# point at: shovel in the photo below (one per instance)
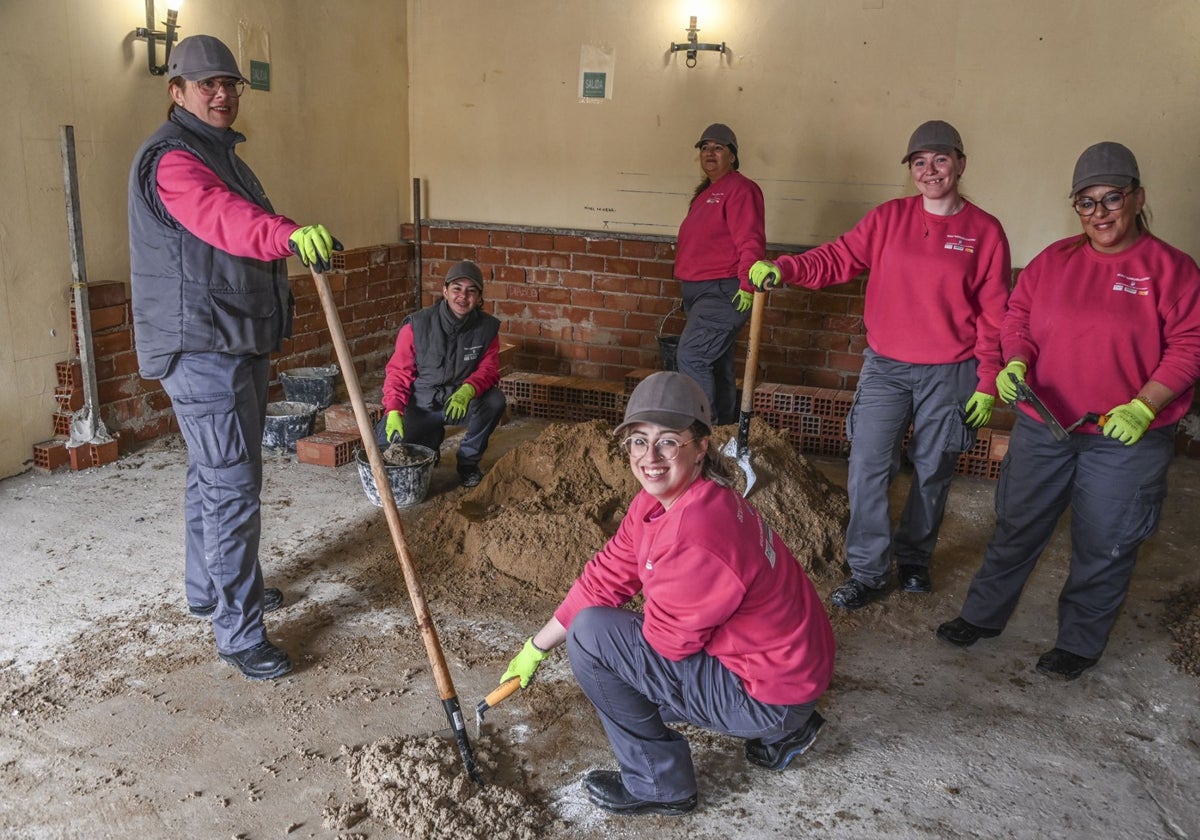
(739, 448)
(433, 648)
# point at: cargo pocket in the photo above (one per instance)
(212, 429)
(1143, 512)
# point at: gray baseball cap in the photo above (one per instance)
(1107, 163)
(669, 399)
(199, 57)
(934, 136)
(719, 133)
(465, 270)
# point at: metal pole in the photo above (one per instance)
(86, 425)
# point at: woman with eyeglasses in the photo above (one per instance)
(211, 301)
(1104, 328)
(732, 636)
(723, 234)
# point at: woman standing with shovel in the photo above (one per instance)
(733, 636)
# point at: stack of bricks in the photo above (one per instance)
(336, 444)
(564, 398)
(813, 418)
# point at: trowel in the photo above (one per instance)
(505, 690)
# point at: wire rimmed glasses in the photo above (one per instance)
(667, 447)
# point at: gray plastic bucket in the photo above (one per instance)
(409, 482)
(668, 345)
(310, 385)
(286, 423)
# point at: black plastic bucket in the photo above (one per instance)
(310, 385)
(409, 482)
(286, 423)
(668, 345)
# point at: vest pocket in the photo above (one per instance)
(256, 304)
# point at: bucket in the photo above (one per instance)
(668, 345)
(286, 423)
(310, 385)
(409, 482)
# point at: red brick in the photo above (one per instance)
(68, 399)
(327, 449)
(69, 374)
(81, 456)
(104, 453)
(106, 293)
(49, 455)
(607, 247)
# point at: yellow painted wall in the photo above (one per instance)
(328, 141)
(823, 95)
(479, 98)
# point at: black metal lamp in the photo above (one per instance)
(152, 35)
(693, 45)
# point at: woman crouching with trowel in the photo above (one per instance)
(733, 636)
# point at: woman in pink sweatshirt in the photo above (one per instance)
(732, 636)
(1104, 327)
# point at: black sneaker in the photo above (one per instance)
(606, 790)
(272, 600)
(854, 594)
(915, 578)
(962, 633)
(469, 476)
(264, 661)
(777, 756)
(1063, 664)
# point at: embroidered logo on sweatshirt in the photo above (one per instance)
(958, 242)
(1139, 286)
(715, 198)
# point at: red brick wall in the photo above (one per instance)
(590, 304)
(373, 290)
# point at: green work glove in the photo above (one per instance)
(764, 275)
(456, 406)
(525, 663)
(394, 428)
(979, 409)
(1127, 423)
(1005, 387)
(743, 300)
(314, 245)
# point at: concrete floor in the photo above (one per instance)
(118, 720)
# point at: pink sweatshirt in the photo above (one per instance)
(717, 579)
(1095, 327)
(204, 204)
(937, 286)
(723, 233)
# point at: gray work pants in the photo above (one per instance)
(890, 396)
(427, 427)
(637, 691)
(220, 402)
(1115, 494)
(705, 351)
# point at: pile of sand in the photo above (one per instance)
(419, 787)
(548, 505)
(1182, 620)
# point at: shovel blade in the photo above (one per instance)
(741, 454)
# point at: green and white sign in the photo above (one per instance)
(260, 75)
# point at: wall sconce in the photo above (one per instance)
(152, 35)
(693, 45)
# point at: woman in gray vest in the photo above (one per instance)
(446, 369)
(210, 302)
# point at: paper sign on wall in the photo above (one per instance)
(254, 47)
(596, 73)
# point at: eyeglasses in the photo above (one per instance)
(232, 87)
(714, 147)
(1112, 201)
(667, 448)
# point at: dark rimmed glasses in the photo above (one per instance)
(666, 447)
(1112, 201)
